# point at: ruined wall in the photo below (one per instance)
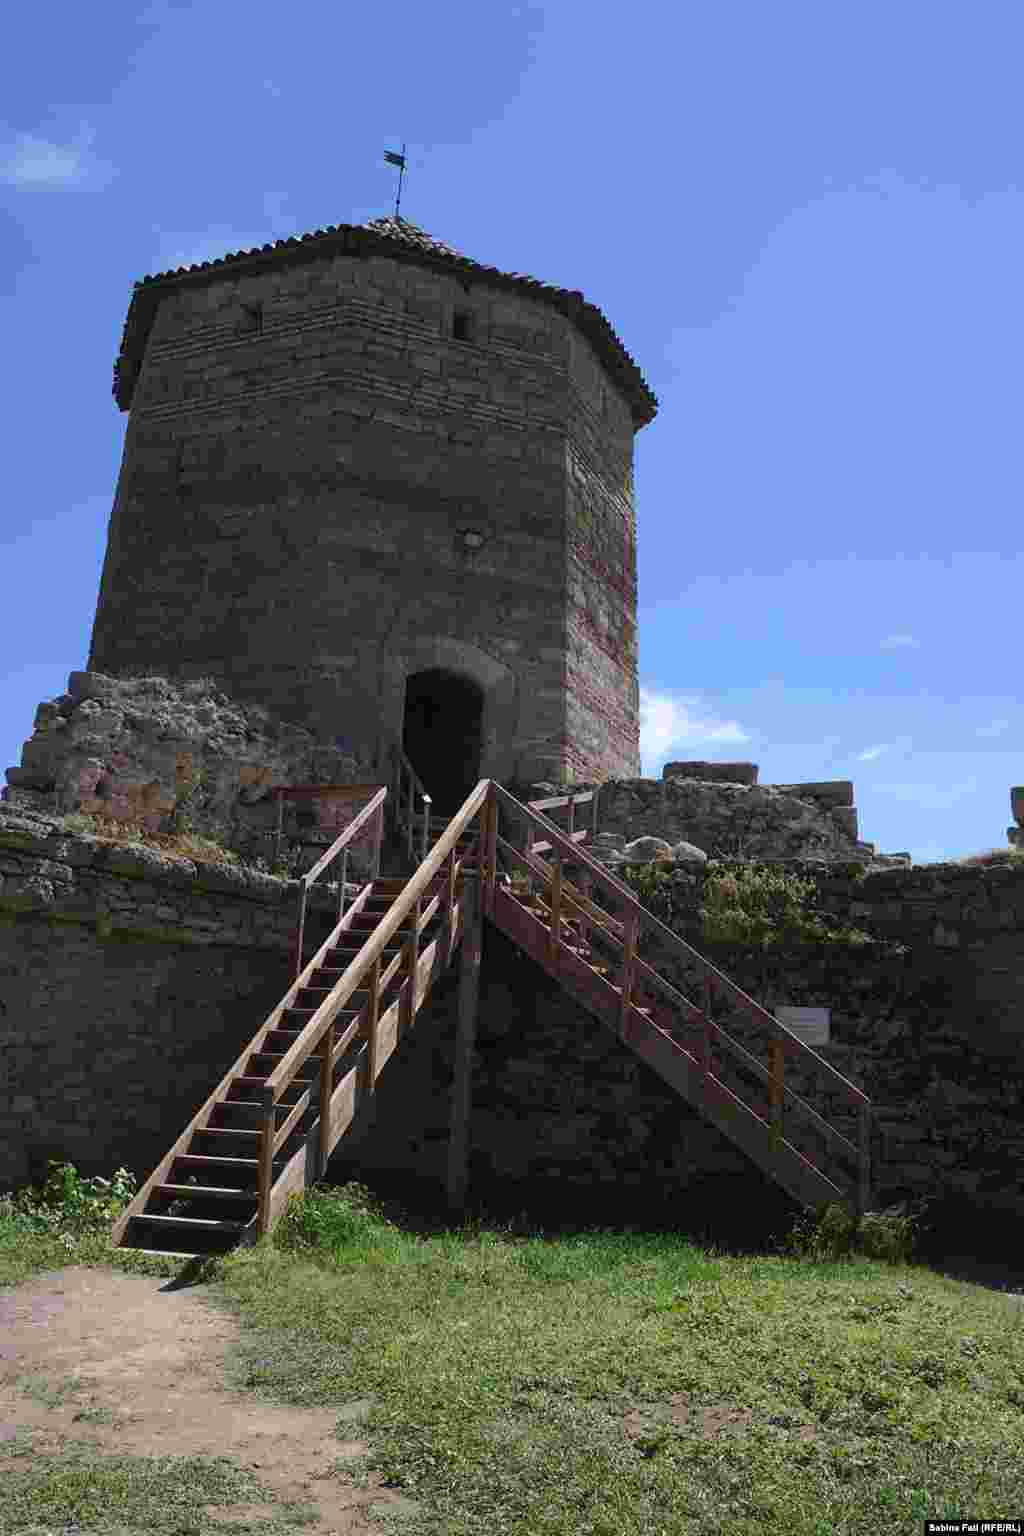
(145, 750)
(566, 1122)
(307, 445)
(926, 1018)
(717, 818)
(129, 982)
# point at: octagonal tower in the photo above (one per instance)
(388, 493)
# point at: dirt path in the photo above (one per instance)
(150, 1363)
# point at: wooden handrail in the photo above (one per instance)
(350, 832)
(576, 854)
(374, 809)
(559, 800)
(302, 1048)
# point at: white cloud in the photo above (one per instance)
(870, 753)
(669, 721)
(896, 642)
(929, 797)
(33, 161)
(994, 728)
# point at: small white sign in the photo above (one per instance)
(810, 1024)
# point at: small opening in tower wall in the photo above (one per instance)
(462, 325)
(252, 319)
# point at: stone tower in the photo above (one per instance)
(388, 493)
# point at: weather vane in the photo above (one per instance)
(398, 160)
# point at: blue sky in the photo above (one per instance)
(804, 221)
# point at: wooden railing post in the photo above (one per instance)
(427, 803)
(705, 1034)
(585, 886)
(378, 839)
(488, 873)
(572, 812)
(777, 1087)
(342, 883)
(556, 907)
(410, 962)
(372, 1027)
(326, 1085)
(300, 936)
(864, 1159)
(465, 1040)
(265, 1170)
(528, 853)
(449, 906)
(631, 927)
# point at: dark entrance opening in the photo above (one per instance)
(441, 734)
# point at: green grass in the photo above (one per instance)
(501, 1371)
(573, 1385)
(163, 1495)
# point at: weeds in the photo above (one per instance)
(605, 1382)
(129, 834)
(67, 1204)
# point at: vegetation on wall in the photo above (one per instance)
(741, 905)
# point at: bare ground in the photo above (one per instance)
(149, 1363)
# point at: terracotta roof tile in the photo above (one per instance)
(407, 242)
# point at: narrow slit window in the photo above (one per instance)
(462, 325)
(252, 319)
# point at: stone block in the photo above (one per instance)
(688, 854)
(717, 773)
(91, 685)
(845, 816)
(647, 850)
(830, 792)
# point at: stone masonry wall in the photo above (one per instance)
(136, 750)
(602, 737)
(926, 1018)
(307, 447)
(129, 982)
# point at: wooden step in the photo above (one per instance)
(191, 1221)
(219, 1130)
(210, 1160)
(253, 1084)
(204, 1192)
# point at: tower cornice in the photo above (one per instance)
(399, 240)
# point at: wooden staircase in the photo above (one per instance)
(268, 1129)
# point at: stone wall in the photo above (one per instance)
(566, 1122)
(926, 1018)
(129, 982)
(137, 750)
(603, 724)
(308, 447)
(718, 818)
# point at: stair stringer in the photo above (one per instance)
(201, 1118)
(673, 1063)
(351, 1093)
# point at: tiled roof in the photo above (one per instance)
(404, 241)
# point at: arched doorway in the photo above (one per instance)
(441, 734)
